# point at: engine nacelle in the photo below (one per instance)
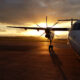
(25, 29)
(47, 35)
(37, 29)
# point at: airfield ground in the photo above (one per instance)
(28, 59)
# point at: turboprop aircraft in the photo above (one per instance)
(74, 33)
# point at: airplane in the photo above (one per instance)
(74, 34)
(74, 37)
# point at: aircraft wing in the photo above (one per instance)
(60, 29)
(36, 28)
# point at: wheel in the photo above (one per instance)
(51, 50)
(50, 46)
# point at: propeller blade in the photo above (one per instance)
(43, 34)
(46, 22)
(55, 24)
(38, 25)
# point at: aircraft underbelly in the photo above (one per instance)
(74, 38)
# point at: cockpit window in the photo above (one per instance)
(76, 26)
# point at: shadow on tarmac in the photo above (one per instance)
(16, 48)
(57, 62)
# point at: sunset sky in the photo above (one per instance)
(31, 12)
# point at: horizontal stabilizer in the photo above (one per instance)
(68, 20)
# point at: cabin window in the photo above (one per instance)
(76, 26)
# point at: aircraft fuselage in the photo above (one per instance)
(74, 37)
(48, 32)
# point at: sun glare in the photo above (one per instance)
(35, 32)
(39, 33)
(42, 25)
(32, 33)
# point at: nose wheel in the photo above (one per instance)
(51, 51)
(50, 48)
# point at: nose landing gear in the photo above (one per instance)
(51, 51)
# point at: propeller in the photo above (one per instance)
(47, 25)
(55, 24)
(46, 22)
(38, 25)
(42, 34)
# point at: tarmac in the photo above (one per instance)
(31, 60)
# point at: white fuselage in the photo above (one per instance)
(74, 39)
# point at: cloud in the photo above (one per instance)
(33, 11)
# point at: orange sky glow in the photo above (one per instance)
(21, 32)
(30, 12)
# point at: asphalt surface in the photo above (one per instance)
(22, 60)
